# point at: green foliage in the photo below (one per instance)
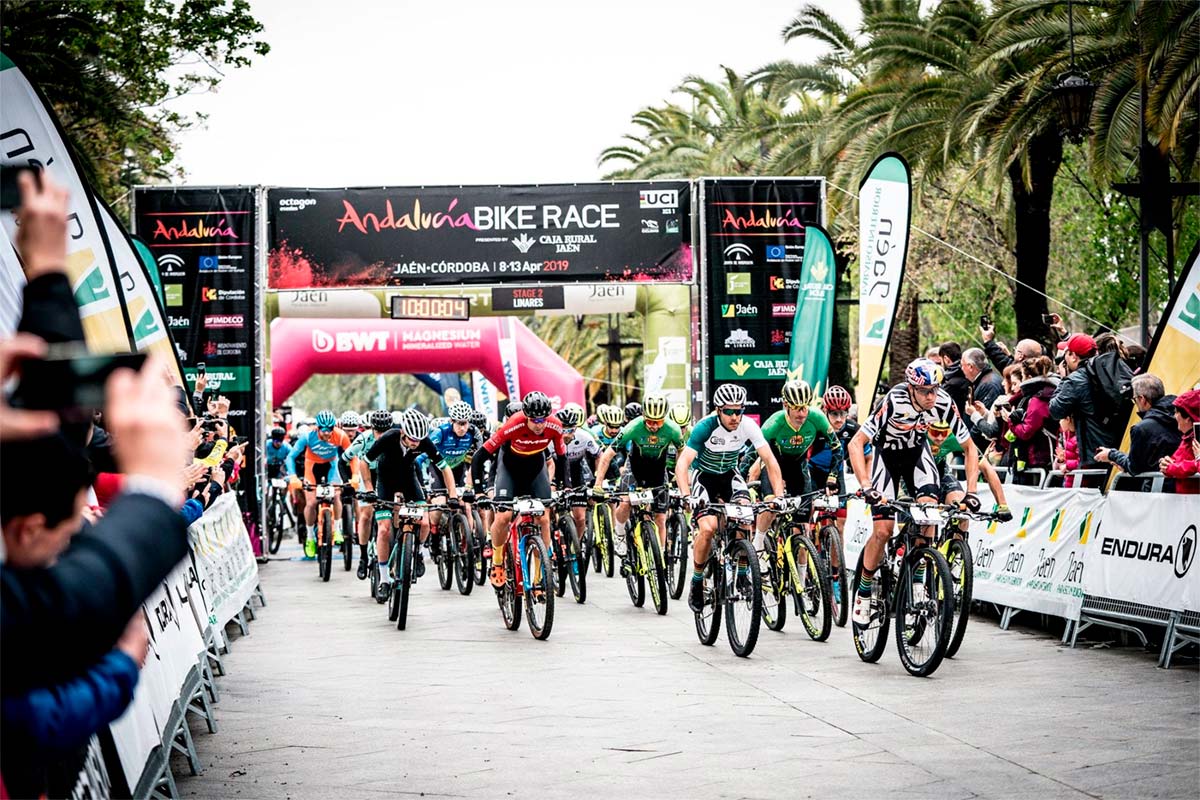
(111, 69)
(357, 393)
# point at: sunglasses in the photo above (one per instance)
(537, 420)
(323, 429)
(733, 412)
(795, 405)
(925, 391)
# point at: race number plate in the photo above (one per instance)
(643, 498)
(924, 514)
(410, 512)
(739, 513)
(278, 483)
(325, 492)
(530, 508)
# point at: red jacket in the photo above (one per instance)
(1184, 464)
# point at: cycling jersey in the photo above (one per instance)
(790, 442)
(582, 444)
(605, 440)
(397, 465)
(673, 451)
(454, 448)
(576, 468)
(821, 456)
(647, 444)
(358, 449)
(520, 457)
(899, 425)
(277, 458)
(515, 437)
(318, 452)
(718, 448)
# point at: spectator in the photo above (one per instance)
(1185, 463)
(1135, 357)
(934, 355)
(1033, 430)
(1155, 437)
(998, 354)
(1066, 455)
(955, 383)
(986, 383)
(1076, 398)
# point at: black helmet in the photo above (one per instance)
(381, 420)
(513, 408)
(536, 405)
(278, 434)
(632, 411)
(479, 420)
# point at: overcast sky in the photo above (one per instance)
(400, 92)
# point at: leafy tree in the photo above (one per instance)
(111, 69)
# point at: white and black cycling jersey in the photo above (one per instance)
(582, 444)
(899, 425)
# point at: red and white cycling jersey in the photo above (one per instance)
(520, 441)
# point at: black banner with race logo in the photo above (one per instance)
(751, 252)
(417, 236)
(204, 243)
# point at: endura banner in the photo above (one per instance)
(884, 201)
(416, 236)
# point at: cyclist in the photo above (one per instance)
(943, 445)
(632, 411)
(519, 448)
(608, 428)
(453, 439)
(277, 452)
(380, 423)
(824, 461)
(320, 446)
(713, 449)
(903, 457)
(396, 452)
(647, 437)
(576, 467)
(790, 432)
(512, 408)
(681, 415)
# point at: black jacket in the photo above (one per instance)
(1074, 399)
(1154, 437)
(987, 387)
(957, 386)
(57, 622)
(996, 355)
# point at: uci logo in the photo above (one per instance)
(1185, 552)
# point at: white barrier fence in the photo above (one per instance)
(186, 616)
(1065, 545)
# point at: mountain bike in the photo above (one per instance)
(452, 546)
(372, 558)
(566, 550)
(279, 514)
(348, 526)
(481, 548)
(795, 569)
(527, 576)
(603, 526)
(828, 539)
(733, 583)
(643, 561)
(679, 562)
(406, 529)
(913, 583)
(952, 543)
(325, 493)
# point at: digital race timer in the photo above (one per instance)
(435, 308)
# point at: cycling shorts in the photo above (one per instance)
(317, 471)
(438, 484)
(949, 485)
(578, 475)
(910, 471)
(276, 469)
(796, 478)
(408, 486)
(724, 487)
(521, 476)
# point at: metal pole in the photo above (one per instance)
(1143, 222)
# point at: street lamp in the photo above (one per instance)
(1074, 93)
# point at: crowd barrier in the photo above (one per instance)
(187, 617)
(1088, 557)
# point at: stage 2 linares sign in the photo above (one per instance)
(417, 236)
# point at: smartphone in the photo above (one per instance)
(1049, 319)
(985, 321)
(69, 378)
(10, 192)
(200, 368)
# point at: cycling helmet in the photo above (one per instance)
(681, 414)
(512, 408)
(479, 419)
(656, 408)
(729, 394)
(632, 411)
(414, 424)
(381, 420)
(940, 425)
(577, 409)
(837, 399)
(460, 412)
(924, 372)
(348, 420)
(278, 434)
(535, 405)
(797, 393)
(397, 416)
(325, 419)
(611, 416)
(569, 417)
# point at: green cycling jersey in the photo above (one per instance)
(647, 443)
(794, 442)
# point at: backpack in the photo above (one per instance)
(1109, 378)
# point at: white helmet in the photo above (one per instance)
(414, 424)
(349, 420)
(729, 394)
(396, 417)
(460, 411)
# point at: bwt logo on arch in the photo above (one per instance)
(349, 341)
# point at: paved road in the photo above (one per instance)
(325, 699)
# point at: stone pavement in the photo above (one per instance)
(326, 699)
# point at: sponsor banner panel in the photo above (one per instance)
(1145, 551)
(225, 560)
(415, 236)
(753, 252)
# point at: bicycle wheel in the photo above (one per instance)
(775, 586)
(604, 537)
(558, 556)
(635, 581)
(743, 598)
(677, 554)
(462, 544)
(708, 618)
(870, 639)
(445, 555)
(325, 546)
(275, 524)
(829, 542)
(810, 588)
(506, 596)
(576, 562)
(586, 541)
(962, 575)
(393, 567)
(406, 577)
(924, 599)
(656, 572)
(481, 564)
(539, 600)
(348, 538)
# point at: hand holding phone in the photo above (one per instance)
(69, 378)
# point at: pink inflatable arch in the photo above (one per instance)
(302, 347)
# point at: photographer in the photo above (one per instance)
(1034, 432)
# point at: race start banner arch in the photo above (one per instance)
(302, 347)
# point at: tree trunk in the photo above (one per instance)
(1031, 205)
(906, 335)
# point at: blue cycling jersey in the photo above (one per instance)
(277, 454)
(452, 447)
